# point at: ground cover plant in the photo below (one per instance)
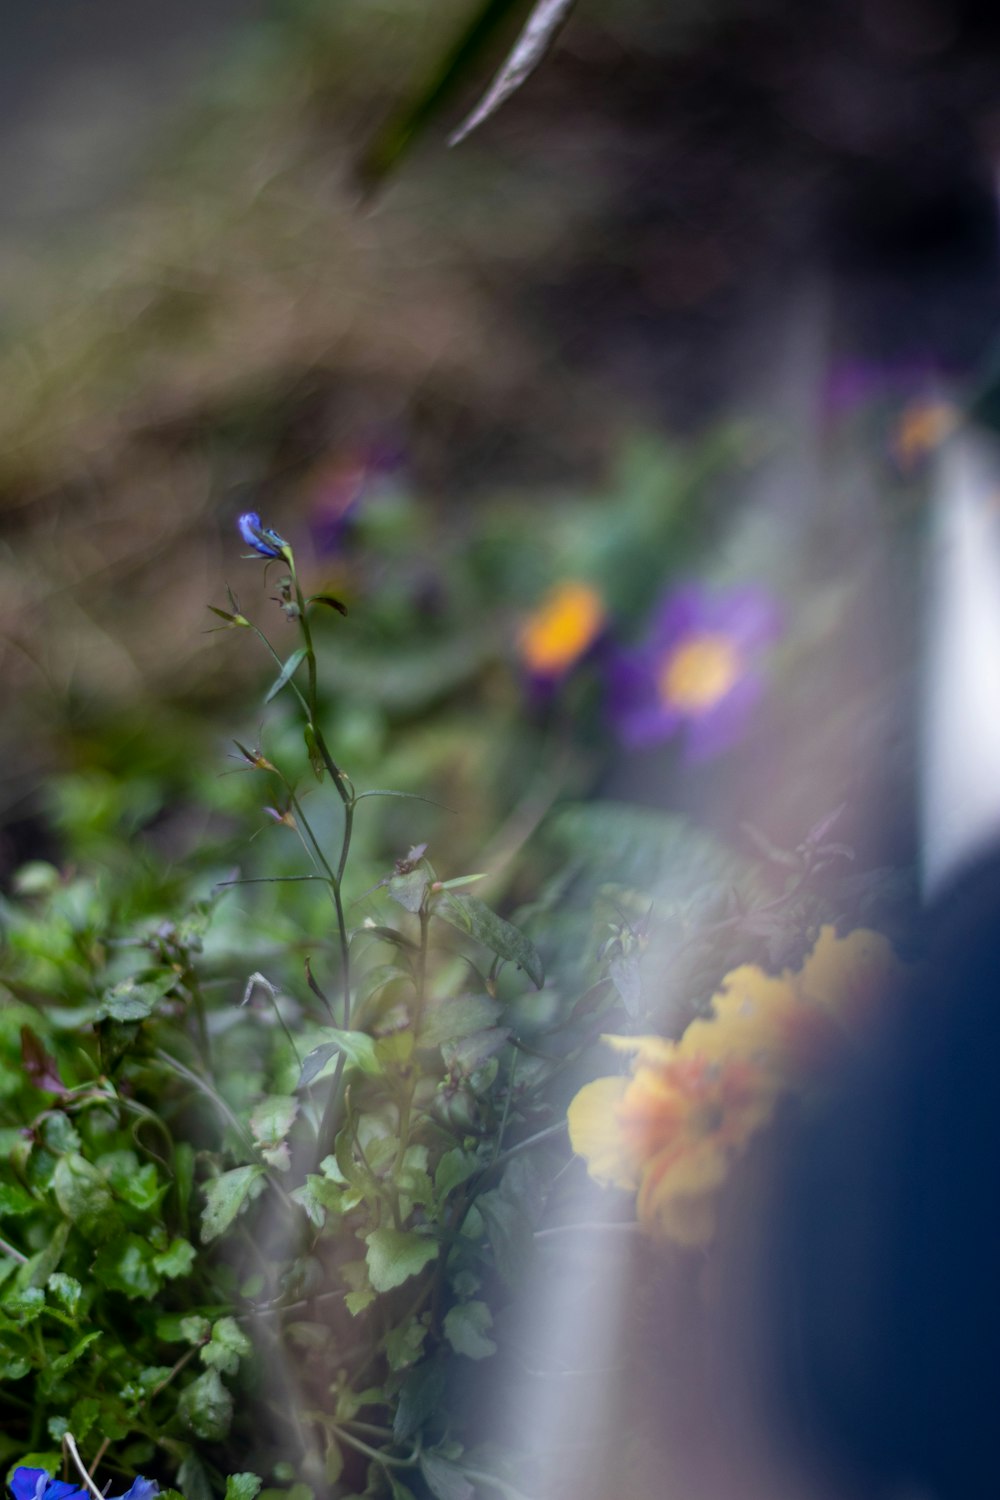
(285, 1141)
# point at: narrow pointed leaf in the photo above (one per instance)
(287, 673)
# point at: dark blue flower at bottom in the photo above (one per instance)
(36, 1484)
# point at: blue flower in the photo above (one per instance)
(141, 1489)
(261, 538)
(35, 1484)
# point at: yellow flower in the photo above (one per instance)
(670, 1131)
(563, 627)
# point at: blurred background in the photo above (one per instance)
(699, 267)
(659, 356)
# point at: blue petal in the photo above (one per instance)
(58, 1489)
(261, 538)
(29, 1484)
(141, 1489)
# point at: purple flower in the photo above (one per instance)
(696, 671)
(261, 538)
(35, 1484)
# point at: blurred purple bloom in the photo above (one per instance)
(338, 486)
(696, 671)
(261, 538)
(853, 383)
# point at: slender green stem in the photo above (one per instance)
(385, 1459)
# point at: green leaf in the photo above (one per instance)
(356, 1302)
(229, 1344)
(273, 1117)
(470, 915)
(419, 1398)
(394, 1255)
(409, 889)
(329, 601)
(357, 1046)
(175, 1261)
(466, 1328)
(85, 1198)
(457, 1016)
(125, 1264)
(57, 1367)
(178, 1328)
(133, 1000)
(403, 1346)
(445, 1480)
(243, 1486)
(206, 1407)
(193, 1478)
(24, 1306)
(287, 673)
(14, 1201)
(226, 1196)
(456, 1166)
(511, 1236)
(65, 1290)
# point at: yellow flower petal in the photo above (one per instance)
(849, 975)
(677, 1196)
(594, 1132)
(564, 626)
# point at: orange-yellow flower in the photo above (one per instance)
(671, 1130)
(562, 629)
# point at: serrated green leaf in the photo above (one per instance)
(273, 1118)
(176, 1260)
(65, 1290)
(394, 1255)
(356, 1302)
(470, 915)
(467, 1326)
(226, 1196)
(243, 1486)
(125, 1264)
(287, 673)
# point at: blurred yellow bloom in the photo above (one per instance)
(670, 1131)
(563, 627)
(923, 426)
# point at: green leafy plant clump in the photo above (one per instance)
(265, 1232)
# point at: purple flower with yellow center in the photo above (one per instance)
(561, 630)
(261, 538)
(696, 672)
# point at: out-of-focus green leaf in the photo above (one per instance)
(470, 915)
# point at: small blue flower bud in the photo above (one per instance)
(261, 538)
